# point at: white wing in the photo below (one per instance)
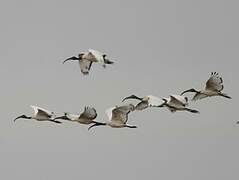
(89, 113)
(38, 111)
(174, 102)
(120, 114)
(154, 101)
(85, 66)
(182, 99)
(109, 112)
(198, 96)
(72, 116)
(214, 83)
(98, 55)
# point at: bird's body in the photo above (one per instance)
(214, 87)
(145, 102)
(40, 114)
(86, 117)
(118, 117)
(86, 59)
(177, 103)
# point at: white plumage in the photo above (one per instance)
(40, 114)
(214, 87)
(118, 117)
(87, 58)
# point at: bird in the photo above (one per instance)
(86, 117)
(86, 59)
(145, 102)
(214, 87)
(118, 117)
(177, 103)
(40, 114)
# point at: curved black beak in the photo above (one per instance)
(189, 90)
(22, 116)
(96, 124)
(73, 58)
(132, 97)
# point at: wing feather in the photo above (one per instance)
(85, 66)
(89, 113)
(38, 111)
(215, 82)
(98, 55)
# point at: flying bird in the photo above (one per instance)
(177, 103)
(40, 114)
(86, 59)
(86, 117)
(145, 102)
(118, 117)
(214, 87)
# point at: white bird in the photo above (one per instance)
(145, 102)
(214, 87)
(86, 59)
(177, 103)
(40, 114)
(118, 117)
(86, 117)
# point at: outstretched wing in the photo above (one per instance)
(38, 111)
(109, 112)
(89, 113)
(98, 55)
(120, 114)
(215, 82)
(142, 105)
(85, 66)
(182, 99)
(155, 101)
(198, 96)
(175, 102)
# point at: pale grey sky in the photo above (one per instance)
(160, 47)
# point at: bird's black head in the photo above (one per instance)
(186, 99)
(104, 56)
(80, 55)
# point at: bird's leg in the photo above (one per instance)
(128, 126)
(192, 110)
(224, 95)
(52, 120)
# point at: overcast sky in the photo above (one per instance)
(160, 48)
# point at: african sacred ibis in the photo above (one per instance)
(214, 87)
(118, 117)
(40, 114)
(86, 117)
(177, 103)
(145, 102)
(86, 59)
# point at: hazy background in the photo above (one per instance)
(160, 47)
